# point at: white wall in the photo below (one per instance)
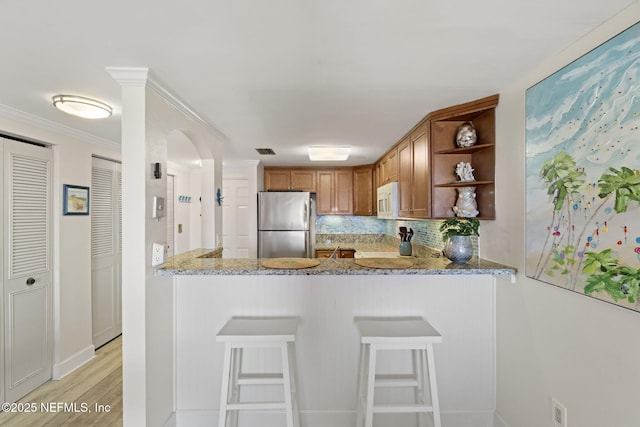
(182, 210)
(552, 342)
(73, 344)
(195, 211)
(149, 115)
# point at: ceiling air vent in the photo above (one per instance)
(266, 151)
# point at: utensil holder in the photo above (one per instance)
(405, 248)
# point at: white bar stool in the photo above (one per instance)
(241, 333)
(416, 335)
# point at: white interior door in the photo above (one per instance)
(106, 250)
(27, 275)
(235, 218)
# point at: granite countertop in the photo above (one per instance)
(430, 263)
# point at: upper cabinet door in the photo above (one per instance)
(404, 178)
(335, 192)
(389, 167)
(420, 178)
(343, 203)
(277, 179)
(363, 190)
(325, 194)
(413, 174)
(303, 179)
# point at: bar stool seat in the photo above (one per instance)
(239, 334)
(413, 334)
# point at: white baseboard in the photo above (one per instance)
(498, 421)
(70, 364)
(171, 421)
(197, 418)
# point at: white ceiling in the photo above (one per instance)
(284, 74)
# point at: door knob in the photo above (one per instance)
(31, 281)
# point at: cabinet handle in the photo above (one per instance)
(31, 281)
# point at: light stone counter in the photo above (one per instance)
(432, 263)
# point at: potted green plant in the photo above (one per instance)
(456, 233)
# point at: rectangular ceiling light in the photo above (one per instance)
(318, 153)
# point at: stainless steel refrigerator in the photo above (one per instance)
(286, 224)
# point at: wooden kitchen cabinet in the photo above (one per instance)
(404, 177)
(303, 179)
(413, 174)
(340, 253)
(446, 155)
(277, 179)
(363, 190)
(423, 163)
(289, 179)
(389, 167)
(334, 191)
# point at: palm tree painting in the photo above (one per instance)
(583, 174)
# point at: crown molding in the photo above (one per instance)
(129, 76)
(51, 126)
(140, 76)
(240, 163)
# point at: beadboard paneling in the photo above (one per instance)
(460, 307)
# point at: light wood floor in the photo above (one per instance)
(99, 382)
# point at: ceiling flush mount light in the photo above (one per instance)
(82, 107)
(329, 152)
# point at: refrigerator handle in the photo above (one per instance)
(305, 219)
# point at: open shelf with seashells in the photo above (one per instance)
(464, 133)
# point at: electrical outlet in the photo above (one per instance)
(157, 254)
(558, 414)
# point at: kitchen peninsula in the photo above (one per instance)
(459, 300)
(198, 262)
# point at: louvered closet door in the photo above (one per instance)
(106, 250)
(27, 267)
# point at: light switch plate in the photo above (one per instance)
(157, 254)
(157, 208)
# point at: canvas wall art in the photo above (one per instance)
(583, 174)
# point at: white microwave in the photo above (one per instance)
(388, 200)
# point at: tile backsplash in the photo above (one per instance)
(426, 232)
(341, 224)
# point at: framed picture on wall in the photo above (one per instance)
(583, 174)
(75, 200)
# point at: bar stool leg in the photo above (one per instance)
(418, 372)
(224, 392)
(291, 348)
(433, 386)
(286, 377)
(361, 373)
(371, 383)
(234, 385)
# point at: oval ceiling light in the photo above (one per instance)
(80, 106)
(329, 152)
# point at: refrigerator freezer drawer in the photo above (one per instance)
(278, 244)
